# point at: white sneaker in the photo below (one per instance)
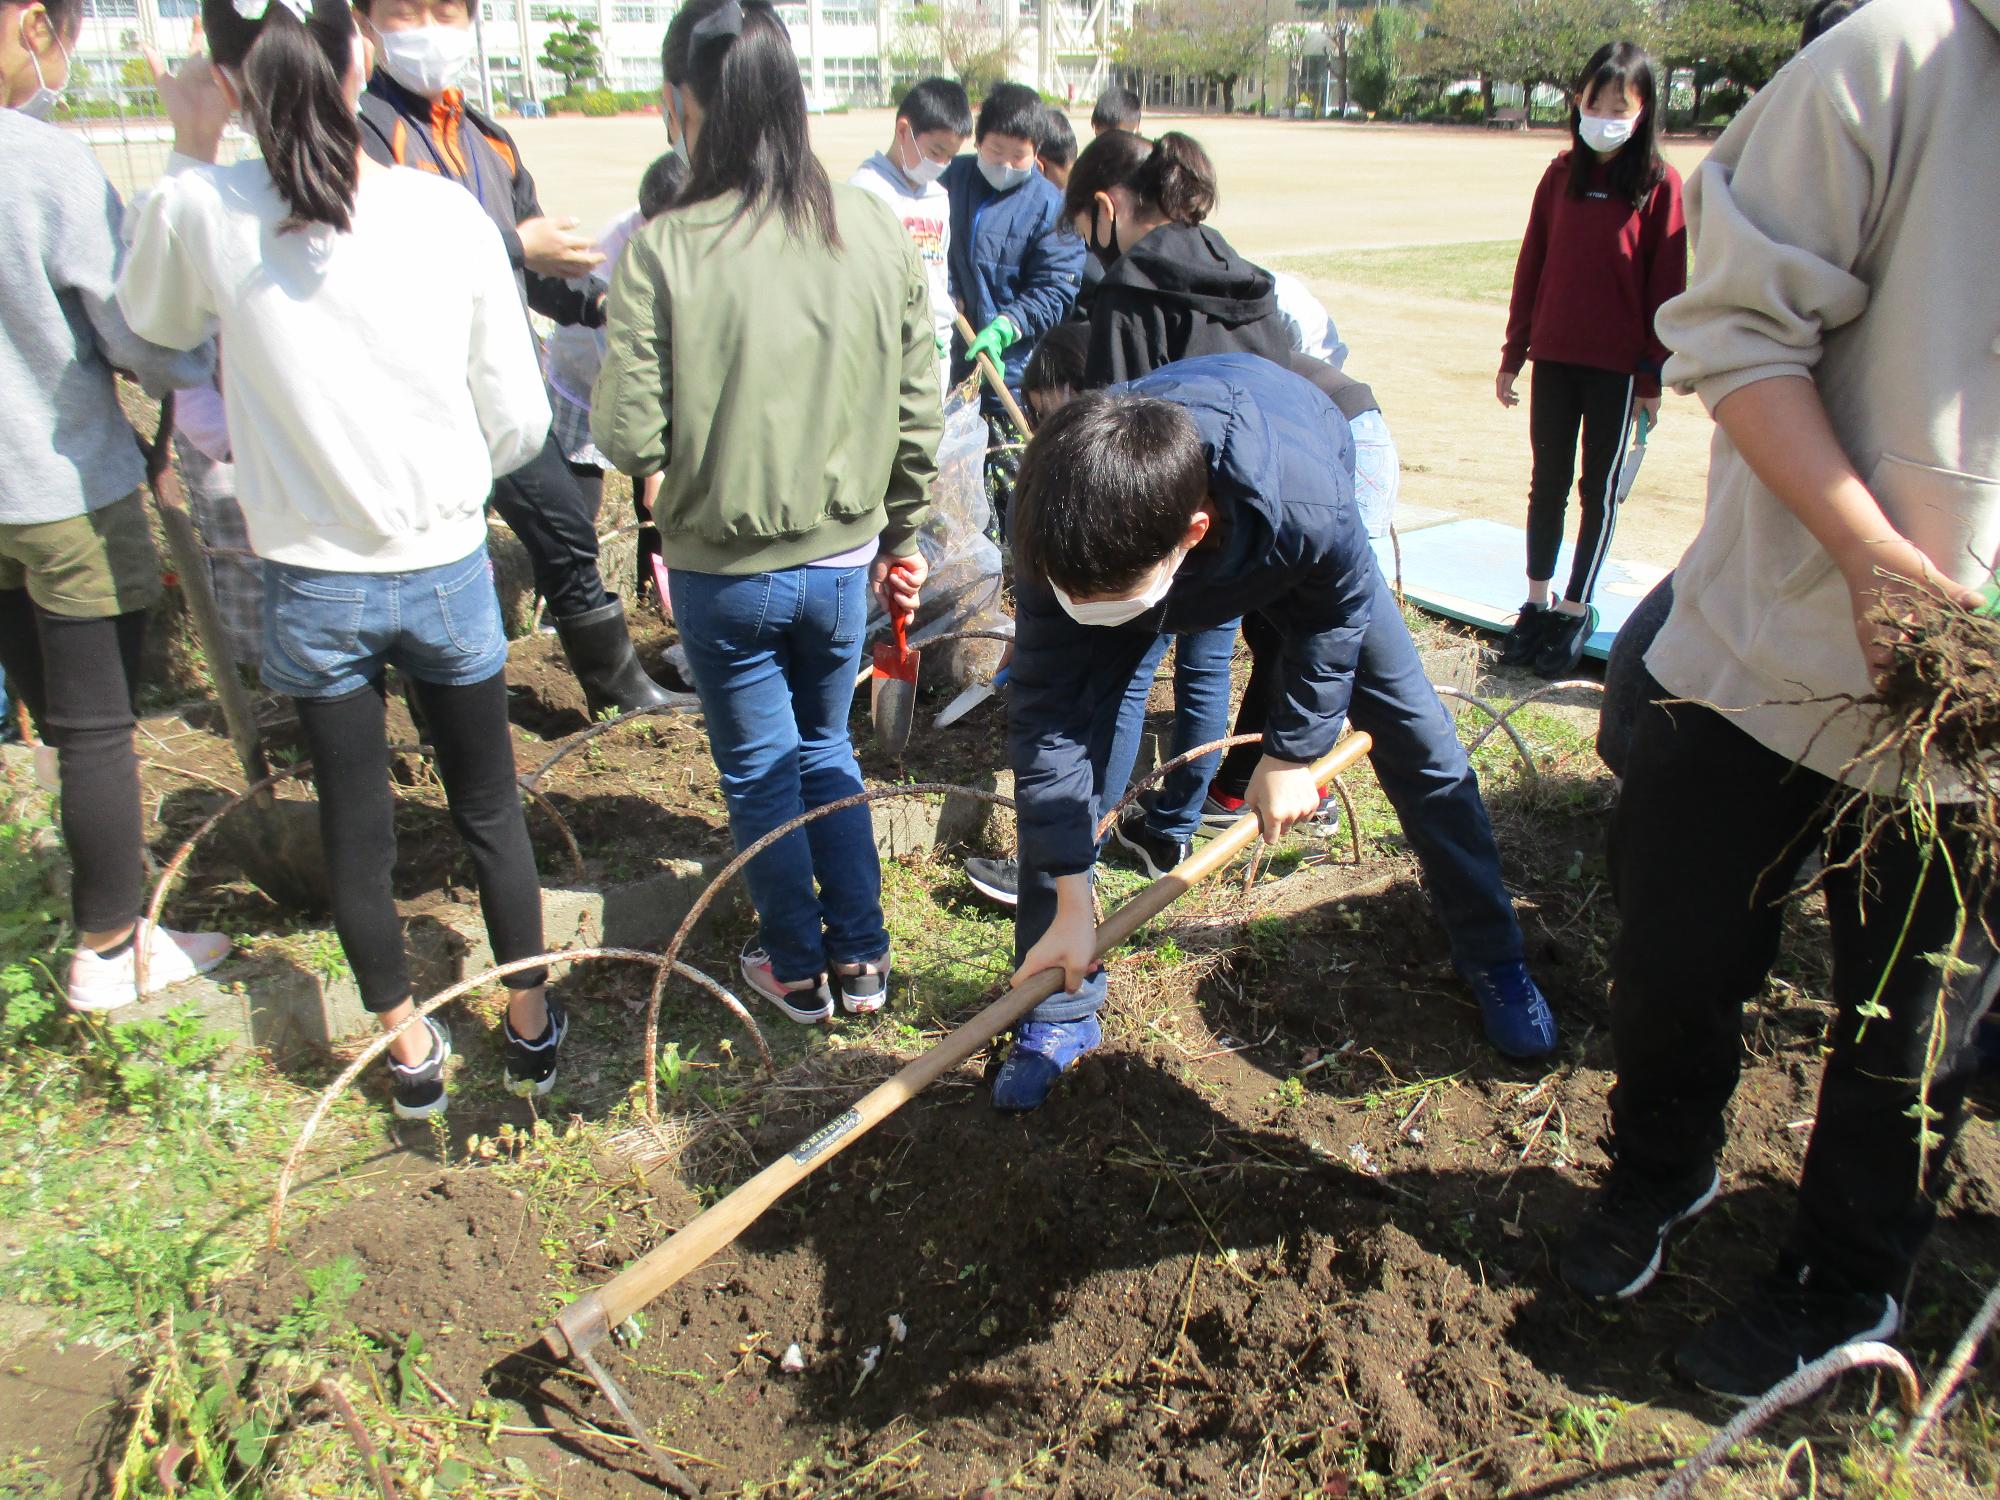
(98, 983)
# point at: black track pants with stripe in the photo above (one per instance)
(1563, 398)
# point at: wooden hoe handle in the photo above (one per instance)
(998, 381)
(585, 1321)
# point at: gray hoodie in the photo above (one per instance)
(1845, 228)
(65, 446)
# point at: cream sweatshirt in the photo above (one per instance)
(377, 380)
(1845, 228)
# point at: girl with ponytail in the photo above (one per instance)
(771, 354)
(380, 375)
(1173, 288)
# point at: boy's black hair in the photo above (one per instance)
(661, 185)
(1059, 359)
(1106, 491)
(1823, 16)
(1013, 109)
(1058, 146)
(1117, 109)
(1637, 168)
(936, 104)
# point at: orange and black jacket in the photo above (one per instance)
(451, 138)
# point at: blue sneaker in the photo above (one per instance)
(1043, 1051)
(1519, 1022)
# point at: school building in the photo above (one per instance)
(850, 51)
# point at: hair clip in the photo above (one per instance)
(254, 10)
(726, 20)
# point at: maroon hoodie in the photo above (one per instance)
(1592, 273)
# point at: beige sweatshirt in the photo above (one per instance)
(1846, 227)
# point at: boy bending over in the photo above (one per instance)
(1214, 488)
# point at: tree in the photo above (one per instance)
(1728, 41)
(1380, 56)
(1217, 42)
(1529, 42)
(960, 38)
(572, 50)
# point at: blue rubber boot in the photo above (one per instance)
(1043, 1052)
(1519, 1022)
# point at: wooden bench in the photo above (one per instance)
(1508, 119)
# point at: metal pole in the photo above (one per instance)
(479, 43)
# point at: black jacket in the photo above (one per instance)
(452, 139)
(1181, 292)
(1292, 548)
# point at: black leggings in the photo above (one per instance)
(79, 680)
(542, 505)
(475, 758)
(1563, 398)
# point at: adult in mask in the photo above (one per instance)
(415, 114)
(1014, 273)
(1210, 488)
(77, 568)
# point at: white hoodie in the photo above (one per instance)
(1847, 228)
(376, 381)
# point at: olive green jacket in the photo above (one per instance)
(788, 392)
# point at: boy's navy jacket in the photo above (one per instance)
(450, 138)
(1292, 548)
(1009, 254)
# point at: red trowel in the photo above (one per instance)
(892, 686)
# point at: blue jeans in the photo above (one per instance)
(1417, 758)
(774, 657)
(1201, 714)
(330, 634)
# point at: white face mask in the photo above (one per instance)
(42, 103)
(1602, 133)
(1110, 612)
(426, 60)
(1003, 179)
(922, 171)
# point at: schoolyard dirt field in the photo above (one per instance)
(1290, 1233)
(1407, 233)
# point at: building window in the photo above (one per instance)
(855, 78)
(547, 12)
(104, 10)
(497, 10)
(178, 10)
(847, 15)
(642, 15)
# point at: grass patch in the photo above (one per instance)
(1470, 271)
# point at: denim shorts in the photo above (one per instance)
(330, 634)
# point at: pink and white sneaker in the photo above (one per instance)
(98, 982)
(808, 1005)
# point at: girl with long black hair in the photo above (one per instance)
(381, 375)
(1606, 245)
(772, 355)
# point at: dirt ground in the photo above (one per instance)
(1186, 1276)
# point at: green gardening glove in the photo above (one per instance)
(994, 340)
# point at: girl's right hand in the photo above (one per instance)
(1503, 387)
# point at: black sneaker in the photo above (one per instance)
(998, 880)
(1614, 1252)
(531, 1066)
(1777, 1333)
(1156, 853)
(1563, 643)
(1524, 636)
(420, 1089)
